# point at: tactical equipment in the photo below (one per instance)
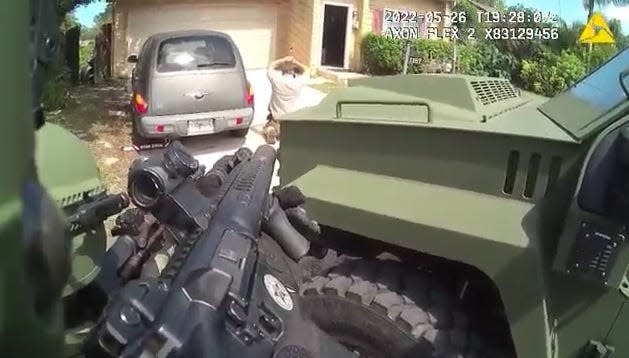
(221, 293)
(93, 213)
(516, 204)
(45, 167)
(80, 193)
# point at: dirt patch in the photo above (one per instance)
(99, 116)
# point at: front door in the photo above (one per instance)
(334, 35)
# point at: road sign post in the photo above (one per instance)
(407, 57)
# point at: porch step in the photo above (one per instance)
(340, 76)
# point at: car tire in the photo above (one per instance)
(240, 132)
(378, 309)
(136, 138)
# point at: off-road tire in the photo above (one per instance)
(380, 309)
(239, 132)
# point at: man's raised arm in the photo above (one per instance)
(274, 64)
(303, 67)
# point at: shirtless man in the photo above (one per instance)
(287, 77)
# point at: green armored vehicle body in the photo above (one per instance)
(69, 173)
(486, 221)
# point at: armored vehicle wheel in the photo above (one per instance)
(378, 309)
(240, 132)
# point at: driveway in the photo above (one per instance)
(208, 149)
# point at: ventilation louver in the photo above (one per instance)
(493, 91)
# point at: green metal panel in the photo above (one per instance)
(66, 166)
(520, 118)
(408, 191)
(617, 337)
(581, 312)
(403, 167)
(69, 173)
(22, 332)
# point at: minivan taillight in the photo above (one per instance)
(140, 104)
(249, 94)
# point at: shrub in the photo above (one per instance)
(484, 59)
(471, 22)
(431, 55)
(56, 90)
(382, 55)
(86, 51)
(600, 53)
(552, 73)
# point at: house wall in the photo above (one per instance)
(119, 46)
(421, 7)
(364, 21)
(299, 26)
(121, 16)
(364, 10)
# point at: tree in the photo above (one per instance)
(68, 22)
(498, 4)
(568, 36)
(105, 16)
(66, 6)
(589, 4)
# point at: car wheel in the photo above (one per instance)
(378, 309)
(240, 132)
(136, 137)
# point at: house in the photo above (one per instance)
(317, 32)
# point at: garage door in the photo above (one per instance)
(252, 27)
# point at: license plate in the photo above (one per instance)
(200, 126)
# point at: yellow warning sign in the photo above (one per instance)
(596, 31)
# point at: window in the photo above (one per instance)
(195, 53)
(144, 54)
(601, 88)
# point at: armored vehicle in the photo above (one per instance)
(69, 173)
(471, 217)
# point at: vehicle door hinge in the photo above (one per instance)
(624, 287)
(596, 349)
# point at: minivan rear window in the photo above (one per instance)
(195, 53)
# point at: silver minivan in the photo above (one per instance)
(188, 83)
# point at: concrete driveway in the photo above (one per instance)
(208, 149)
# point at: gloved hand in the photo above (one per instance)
(291, 200)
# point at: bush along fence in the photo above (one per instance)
(532, 66)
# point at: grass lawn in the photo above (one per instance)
(98, 116)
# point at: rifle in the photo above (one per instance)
(219, 295)
(92, 213)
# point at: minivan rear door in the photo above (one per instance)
(197, 73)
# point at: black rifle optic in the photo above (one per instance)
(219, 295)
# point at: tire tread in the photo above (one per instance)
(409, 299)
